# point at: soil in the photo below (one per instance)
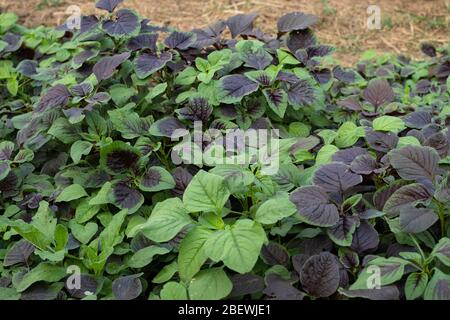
(404, 23)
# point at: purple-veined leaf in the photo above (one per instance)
(277, 100)
(320, 275)
(168, 127)
(198, 109)
(365, 238)
(19, 253)
(275, 254)
(336, 177)
(57, 96)
(379, 92)
(125, 24)
(415, 220)
(302, 93)
(147, 63)
(88, 285)
(405, 196)
(118, 157)
(365, 164)
(440, 142)
(235, 87)
(108, 5)
(295, 21)
(381, 141)
(314, 206)
(125, 196)
(383, 293)
(143, 41)
(127, 287)
(348, 155)
(342, 232)
(106, 66)
(301, 39)
(244, 284)
(241, 23)
(281, 289)
(180, 40)
(156, 179)
(27, 68)
(88, 23)
(182, 178)
(346, 76)
(415, 162)
(418, 119)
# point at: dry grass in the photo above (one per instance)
(343, 23)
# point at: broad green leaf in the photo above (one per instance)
(388, 123)
(206, 192)
(192, 253)
(83, 233)
(210, 284)
(415, 285)
(173, 291)
(166, 273)
(347, 134)
(442, 251)
(78, 149)
(72, 192)
(390, 270)
(167, 219)
(145, 256)
(43, 272)
(238, 245)
(438, 287)
(275, 209)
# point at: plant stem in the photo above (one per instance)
(441, 217)
(418, 247)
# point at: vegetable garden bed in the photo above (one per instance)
(100, 197)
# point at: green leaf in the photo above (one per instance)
(64, 131)
(121, 94)
(347, 134)
(102, 196)
(156, 179)
(442, 251)
(206, 192)
(325, 154)
(43, 272)
(83, 233)
(13, 86)
(72, 192)
(238, 246)
(167, 219)
(285, 57)
(210, 284)
(166, 273)
(156, 91)
(415, 285)
(173, 291)
(390, 270)
(186, 77)
(145, 256)
(192, 254)
(439, 287)
(275, 209)
(9, 294)
(388, 123)
(78, 149)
